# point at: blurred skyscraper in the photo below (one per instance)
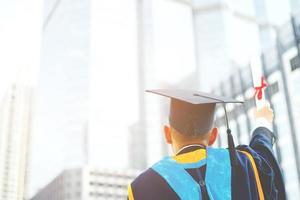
(15, 131)
(62, 93)
(20, 25)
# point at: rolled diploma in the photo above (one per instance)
(257, 74)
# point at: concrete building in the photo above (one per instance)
(87, 184)
(281, 68)
(15, 132)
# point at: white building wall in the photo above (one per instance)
(15, 129)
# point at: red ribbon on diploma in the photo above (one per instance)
(259, 90)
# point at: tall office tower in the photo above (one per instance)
(62, 93)
(15, 131)
(20, 35)
(226, 32)
(87, 184)
(295, 7)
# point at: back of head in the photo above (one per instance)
(192, 120)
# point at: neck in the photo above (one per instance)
(179, 147)
(191, 145)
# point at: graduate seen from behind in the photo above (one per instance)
(199, 171)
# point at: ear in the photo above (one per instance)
(213, 136)
(168, 137)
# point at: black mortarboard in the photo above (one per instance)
(192, 112)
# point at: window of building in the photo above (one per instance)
(295, 63)
(273, 88)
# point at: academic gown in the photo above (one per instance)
(257, 174)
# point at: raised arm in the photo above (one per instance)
(262, 142)
(263, 136)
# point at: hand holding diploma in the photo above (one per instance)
(266, 113)
(263, 109)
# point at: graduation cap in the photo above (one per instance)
(193, 112)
